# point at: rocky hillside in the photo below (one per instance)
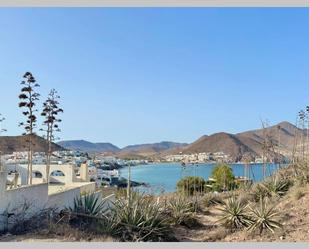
(247, 143)
(83, 145)
(9, 144)
(149, 149)
(227, 143)
(240, 145)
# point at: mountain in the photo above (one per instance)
(282, 133)
(9, 144)
(83, 145)
(249, 143)
(132, 151)
(219, 142)
(238, 146)
(144, 150)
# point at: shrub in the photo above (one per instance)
(180, 210)
(260, 192)
(139, 219)
(191, 185)
(223, 174)
(89, 204)
(272, 187)
(263, 218)
(276, 186)
(25, 218)
(233, 214)
(211, 199)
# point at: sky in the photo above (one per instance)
(143, 75)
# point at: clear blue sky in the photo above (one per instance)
(131, 76)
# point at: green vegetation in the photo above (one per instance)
(180, 210)
(224, 177)
(211, 199)
(263, 218)
(89, 204)
(233, 214)
(272, 187)
(139, 219)
(276, 186)
(191, 185)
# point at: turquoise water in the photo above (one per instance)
(163, 177)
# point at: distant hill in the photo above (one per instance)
(227, 143)
(86, 146)
(245, 143)
(9, 144)
(145, 150)
(238, 146)
(132, 151)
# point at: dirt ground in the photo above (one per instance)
(34, 237)
(294, 216)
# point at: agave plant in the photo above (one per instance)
(211, 199)
(89, 204)
(260, 192)
(233, 214)
(276, 186)
(180, 210)
(263, 217)
(139, 219)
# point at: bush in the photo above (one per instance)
(89, 204)
(138, 219)
(180, 210)
(276, 186)
(191, 185)
(233, 214)
(263, 218)
(211, 199)
(260, 192)
(223, 174)
(25, 218)
(272, 187)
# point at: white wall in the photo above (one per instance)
(38, 196)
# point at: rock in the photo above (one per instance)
(282, 237)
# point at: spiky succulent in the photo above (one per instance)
(263, 217)
(234, 214)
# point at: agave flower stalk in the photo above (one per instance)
(28, 98)
(50, 112)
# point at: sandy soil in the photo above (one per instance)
(33, 237)
(294, 217)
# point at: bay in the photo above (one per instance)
(163, 177)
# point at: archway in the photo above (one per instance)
(57, 176)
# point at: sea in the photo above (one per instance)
(163, 177)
